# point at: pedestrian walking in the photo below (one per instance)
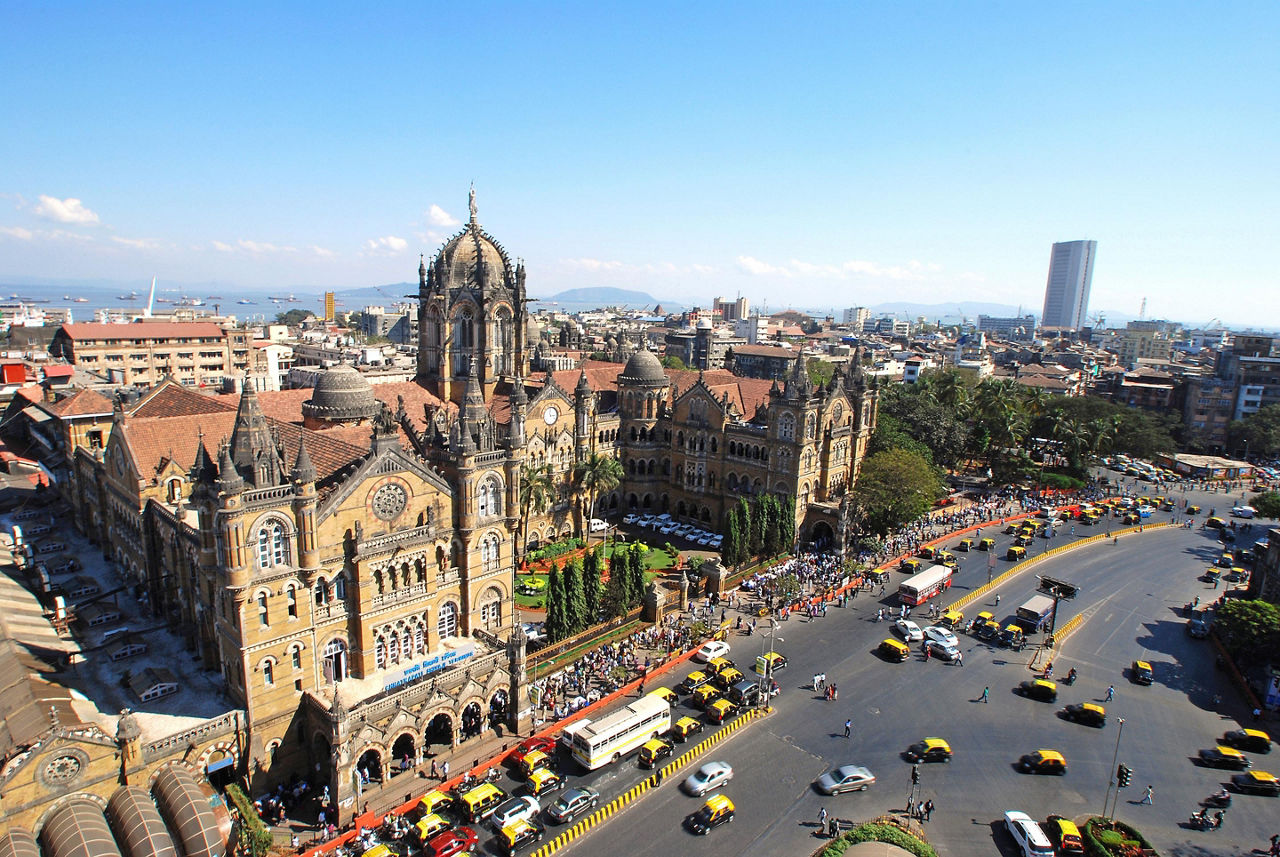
(848, 728)
(444, 770)
(997, 599)
(822, 818)
(1111, 693)
(959, 658)
(1146, 798)
(986, 694)
(928, 809)
(435, 770)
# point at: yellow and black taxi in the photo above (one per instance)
(1013, 636)
(379, 851)
(433, 802)
(666, 694)
(1215, 523)
(929, 750)
(1224, 757)
(1086, 713)
(987, 629)
(1064, 834)
(715, 666)
(518, 834)
(684, 727)
(1225, 561)
(927, 552)
(544, 780)
(721, 710)
(770, 662)
(1043, 762)
(986, 544)
(1140, 672)
(948, 559)
(479, 802)
(1130, 518)
(1039, 689)
(693, 681)
(1256, 783)
(952, 619)
(654, 751)
(1022, 540)
(910, 565)
(893, 650)
(1010, 530)
(716, 811)
(1192, 510)
(728, 677)
(965, 545)
(429, 825)
(1253, 740)
(705, 695)
(534, 761)
(1015, 553)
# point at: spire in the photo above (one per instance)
(584, 387)
(798, 386)
(518, 394)
(253, 446)
(203, 471)
(229, 481)
(303, 470)
(422, 271)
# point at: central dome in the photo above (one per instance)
(341, 394)
(644, 367)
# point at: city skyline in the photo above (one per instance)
(856, 156)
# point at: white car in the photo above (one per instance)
(523, 808)
(713, 649)
(944, 651)
(1027, 834)
(908, 630)
(1243, 512)
(941, 635)
(599, 525)
(668, 529)
(630, 518)
(710, 776)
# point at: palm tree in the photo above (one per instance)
(598, 474)
(996, 405)
(537, 490)
(949, 390)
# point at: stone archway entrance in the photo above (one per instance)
(822, 535)
(472, 720)
(220, 768)
(370, 766)
(499, 704)
(438, 732)
(403, 754)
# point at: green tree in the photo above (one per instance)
(1259, 431)
(555, 622)
(673, 362)
(746, 517)
(615, 591)
(294, 317)
(772, 514)
(895, 488)
(787, 523)
(591, 585)
(574, 601)
(1268, 504)
(1250, 631)
(731, 547)
(820, 371)
(597, 475)
(537, 490)
(635, 575)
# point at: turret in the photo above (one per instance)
(304, 508)
(519, 404)
(582, 413)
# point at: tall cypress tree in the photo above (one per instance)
(591, 586)
(773, 524)
(575, 607)
(745, 528)
(615, 593)
(555, 607)
(635, 575)
(731, 547)
(787, 528)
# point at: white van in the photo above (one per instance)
(1243, 512)
(598, 525)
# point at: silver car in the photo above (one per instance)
(710, 776)
(846, 778)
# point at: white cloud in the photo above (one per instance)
(223, 247)
(754, 266)
(386, 245)
(437, 216)
(260, 247)
(588, 264)
(913, 270)
(322, 252)
(136, 243)
(17, 232)
(69, 210)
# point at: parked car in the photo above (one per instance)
(1027, 835)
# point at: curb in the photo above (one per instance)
(619, 803)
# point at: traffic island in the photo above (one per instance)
(1111, 838)
(891, 830)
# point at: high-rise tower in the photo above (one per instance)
(1066, 294)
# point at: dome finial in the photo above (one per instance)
(471, 202)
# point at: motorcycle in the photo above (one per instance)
(1220, 799)
(493, 775)
(1071, 677)
(1201, 822)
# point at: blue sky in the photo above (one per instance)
(810, 155)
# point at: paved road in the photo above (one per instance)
(1132, 594)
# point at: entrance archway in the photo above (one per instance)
(438, 731)
(498, 710)
(220, 769)
(370, 766)
(403, 753)
(822, 535)
(472, 720)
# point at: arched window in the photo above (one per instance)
(291, 599)
(419, 638)
(787, 427)
(263, 617)
(490, 498)
(322, 592)
(335, 660)
(447, 623)
(174, 487)
(393, 648)
(491, 609)
(295, 656)
(810, 426)
(268, 672)
(339, 588)
(490, 553)
(273, 545)
(380, 652)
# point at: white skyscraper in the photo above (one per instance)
(1066, 295)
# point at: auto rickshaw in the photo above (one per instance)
(927, 552)
(1015, 553)
(952, 619)
(1013, 637)
(987, 544)
(910, 565)
(948, 559)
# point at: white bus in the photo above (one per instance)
(919, 588)
(608, 739)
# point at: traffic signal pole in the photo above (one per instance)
(1114, 759)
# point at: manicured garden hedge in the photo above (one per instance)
(1112, 839)
(874, 832)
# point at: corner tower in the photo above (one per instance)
(471, 311)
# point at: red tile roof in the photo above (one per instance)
(81, 403)
(168, 399)
(143, 330)
(764, 351)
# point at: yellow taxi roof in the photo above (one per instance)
(542, 775)
(1229, 751)
(653, 745)
(718, 802)
(430, 824)
(1046, 755)
(378, 851)
(1067, 827)
(989, 539)
(1142, 665)
(1259, 776)
(686, 722)
(515, 828)
(970, 541)
(893, 644)
(1091, 706)
(953, 614)
(433, 799)
(1013, 627)
(481, 792)
(1237, 569)
(534, 757)
(936, 742)
(663, 692)
(714, 662)
(986, 615)
(1256, 733)
(1040, 682)
(721, 704)
(773, 656)
(697, 674)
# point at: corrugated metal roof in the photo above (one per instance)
(78, 829)
(18, 843)
(187, 810)
(138, 825)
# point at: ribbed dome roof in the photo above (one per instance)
(644, 366)
(341, 394)
(459, 257)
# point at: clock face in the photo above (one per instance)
(550, 415)
(389, 501)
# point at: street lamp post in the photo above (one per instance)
(1114, 758)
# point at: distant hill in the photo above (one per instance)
(969, 308)
(600, 296)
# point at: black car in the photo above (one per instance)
(1038, 688)
(1224, 757)
(1086, 713)
(571, 804)
(1253, 740)
(1256, 783)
